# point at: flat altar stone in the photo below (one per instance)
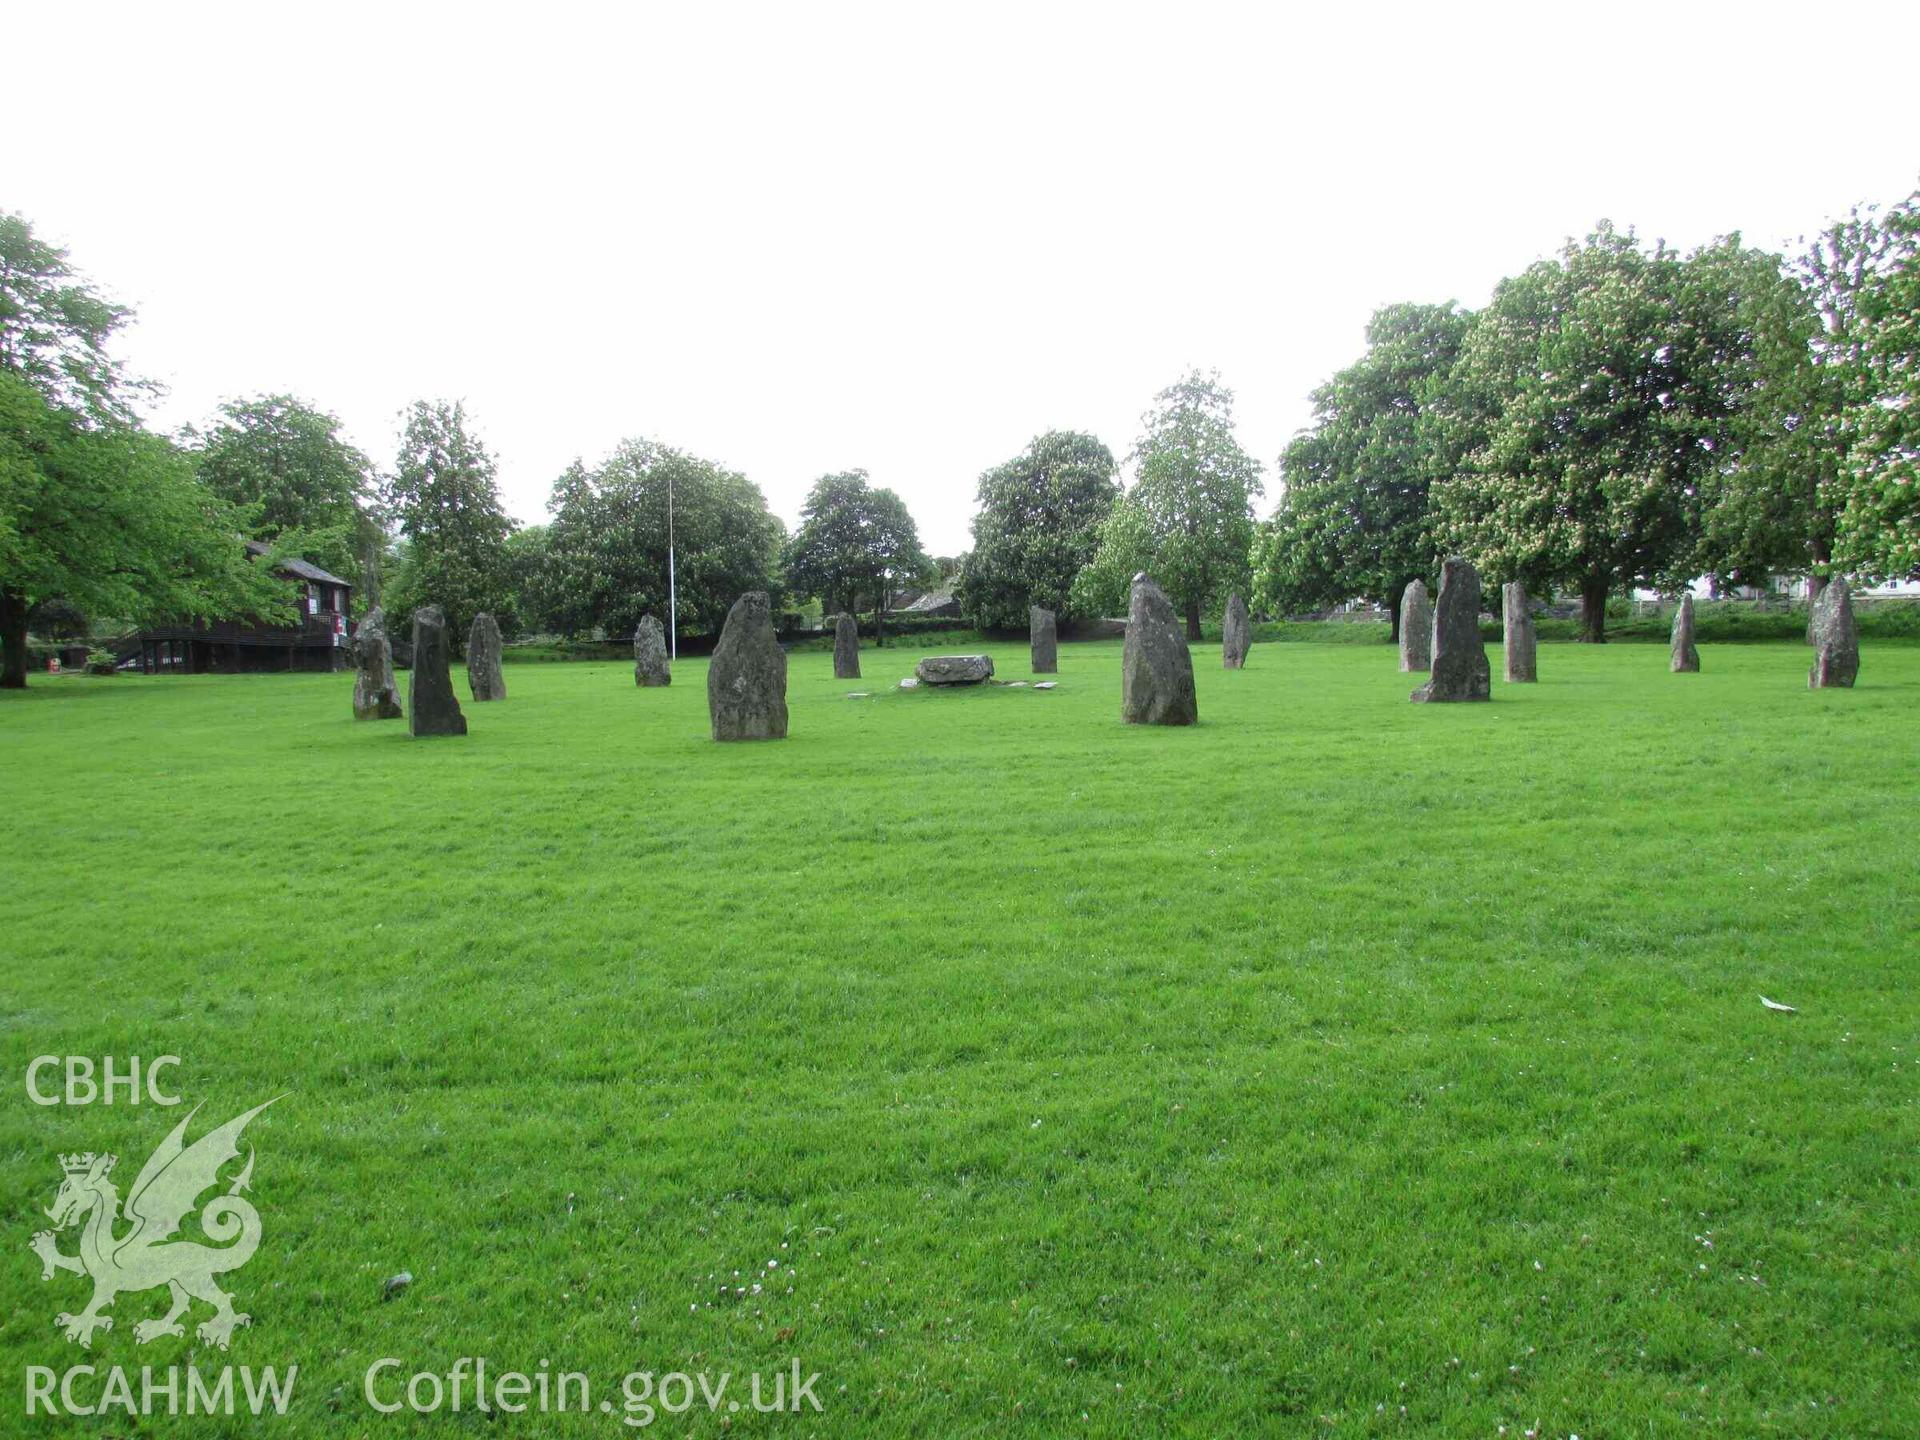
(955, 669)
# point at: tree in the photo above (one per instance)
(1037, 528)
(1126, 548)
(93, 510)
(446, 505)
(1782, 510)
(1624, 373)
(112, 520)
(854, 540)
(1878, 530)
(55, 328)
(287, 465)
(1353, 517)
(606, 562)
(1189, 516)
(535, 598)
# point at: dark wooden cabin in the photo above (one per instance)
(318, 642)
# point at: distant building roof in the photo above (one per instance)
(929, 603)
(294, 565)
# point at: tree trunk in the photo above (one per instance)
(1593, 609)
(1193, 619)
(1393, 615)
(880, 623)
(13, 640)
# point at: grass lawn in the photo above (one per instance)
(1341, 1066)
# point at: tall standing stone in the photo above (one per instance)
(1816, 585)
(432, 707)
(846, 647)
(1156, 669)
(1684, 658)
(1460, 670)
(1416, 628)
(1044, 639)
(483, 660)
(1836, 639)
(651, 666)
(1516, 635)
(375, 695)
(747, 681)
(1236, 634)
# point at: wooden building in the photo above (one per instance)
(318, 641)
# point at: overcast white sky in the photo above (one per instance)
(803, 238)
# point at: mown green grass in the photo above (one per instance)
(1339, 1066)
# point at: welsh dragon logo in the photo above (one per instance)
(145, 1254)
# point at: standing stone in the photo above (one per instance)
(1836, 639)
(1044, 637)
(1815, 586)
(747, 681)
(1460, 670)
(432, 707)
(375, 695)
(1685, 659)
(1416, 628)
(651, 667)
(846, 647)
(483, 660)
(1236, 634)
(1156, 670)
(1516, 627)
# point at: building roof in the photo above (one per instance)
(294, 565)
(932, 600)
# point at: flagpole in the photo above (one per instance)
(673, 594)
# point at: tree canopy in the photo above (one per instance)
(1353, 516)
(55, 328)
(299, 481)
(1188, 517)
(1878, 528)
(95, 511)
(1623, 373)
(112, 520)
(1037, 528)
(855, 540)
(605, 560)
(453, 529)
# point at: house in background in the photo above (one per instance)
(939, 602)
(317, 641)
